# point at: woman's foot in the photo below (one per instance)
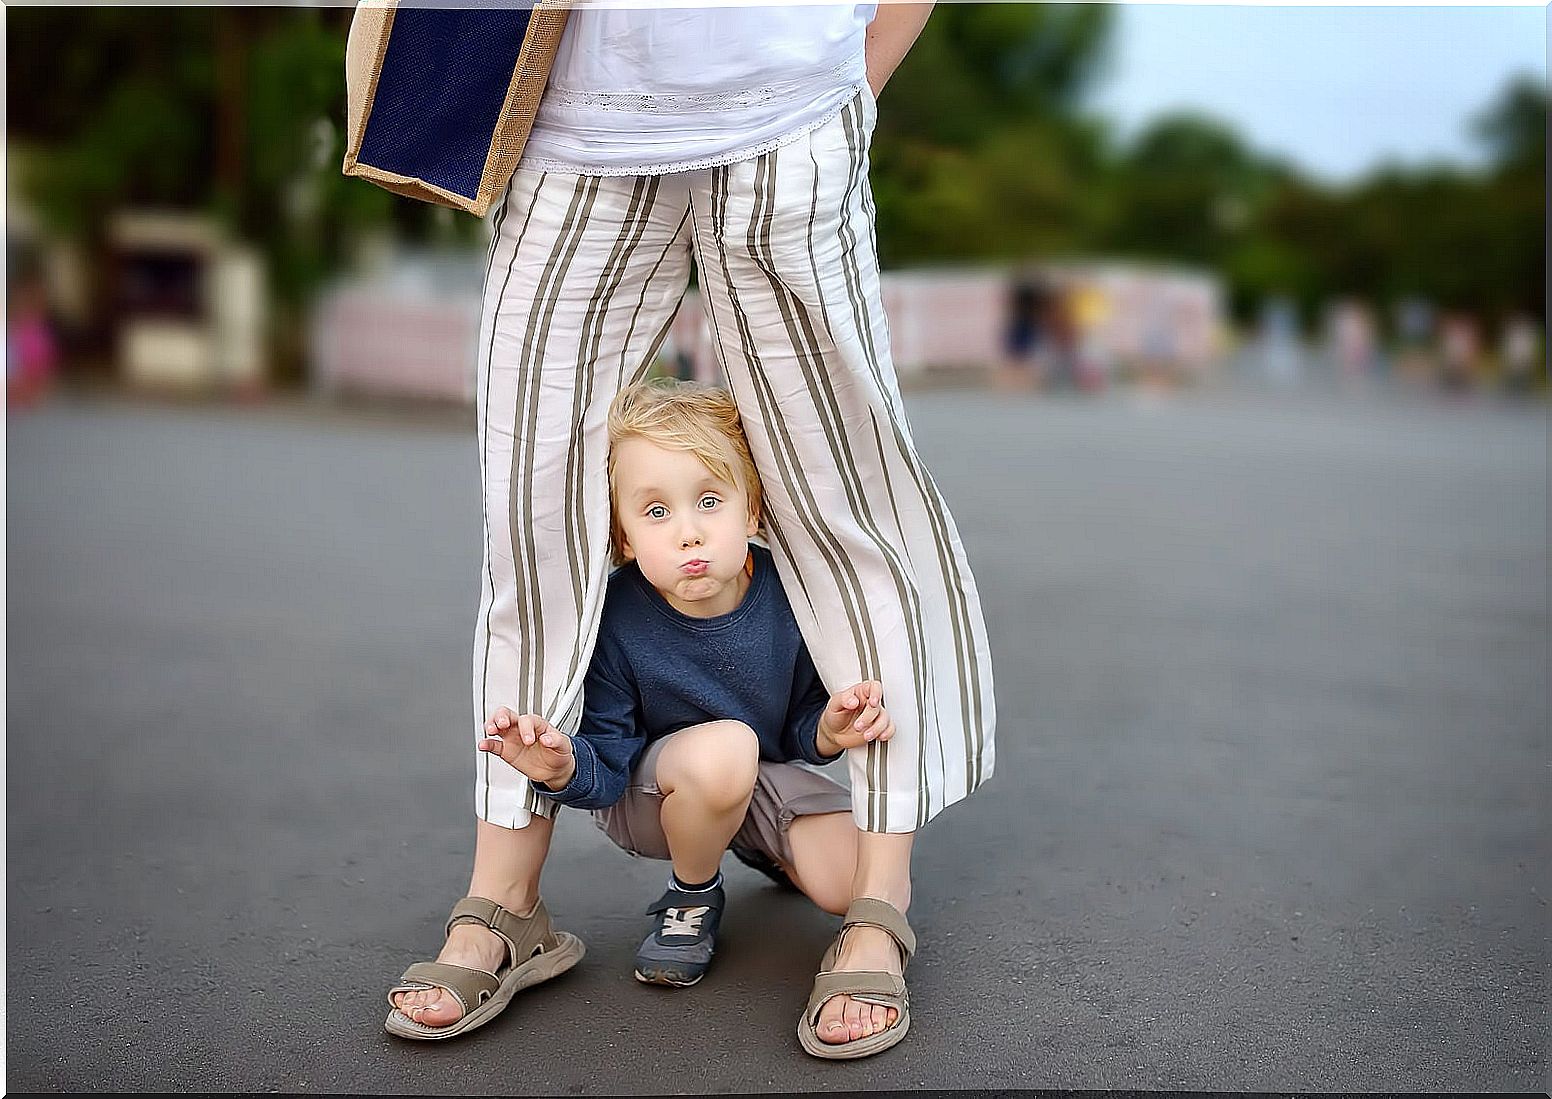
(471, 945)
(843, 1019)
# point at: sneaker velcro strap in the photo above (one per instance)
(675, 898)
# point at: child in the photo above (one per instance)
(700, 694)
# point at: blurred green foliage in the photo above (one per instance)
(983, 153)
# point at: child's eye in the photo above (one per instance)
(709, 502)
(657, 511)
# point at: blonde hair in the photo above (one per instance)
(675, 415)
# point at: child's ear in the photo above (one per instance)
(752, 527)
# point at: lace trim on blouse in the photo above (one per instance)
(546, 164)
(642, 103)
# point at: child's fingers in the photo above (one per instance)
(875, 727)
(502, 718)
(889, 731)
(496, 746)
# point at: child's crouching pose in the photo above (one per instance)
(701, 693)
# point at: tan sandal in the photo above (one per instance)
(870, 987)
(535, 952)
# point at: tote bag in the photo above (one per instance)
(440, 101)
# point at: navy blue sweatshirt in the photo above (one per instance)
(656, 670)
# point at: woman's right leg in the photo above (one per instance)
(584, 276)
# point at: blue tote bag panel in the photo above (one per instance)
(441, 100)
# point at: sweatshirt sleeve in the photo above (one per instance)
(611, 738)
(808, 701)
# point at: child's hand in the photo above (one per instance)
(855, 716)
(532, 745)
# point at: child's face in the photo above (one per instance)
(686, 528)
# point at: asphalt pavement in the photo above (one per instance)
(1269, 812)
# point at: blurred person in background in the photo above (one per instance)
(1414, 338)
(1277, 341)
(31, 347)
(737, 137)
(1522, 361)
(1061, 328)
(1090, 307)
(1023, 332)
(1353, 344)
(1460, 354)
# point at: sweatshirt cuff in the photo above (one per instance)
(584, 780)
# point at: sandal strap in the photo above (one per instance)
(471, 987)
(876, 913)
(883, 989)
(525, 936)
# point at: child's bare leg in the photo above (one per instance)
(707, 775)
(824, 859)
(507, 862)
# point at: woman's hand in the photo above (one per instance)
(855, 716)
(532, 745)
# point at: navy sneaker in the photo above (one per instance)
(766, 865)
(684, 936)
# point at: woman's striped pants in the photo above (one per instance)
(584, 276)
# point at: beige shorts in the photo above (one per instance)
(782, 793)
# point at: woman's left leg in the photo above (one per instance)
(867, 551)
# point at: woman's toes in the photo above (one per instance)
(429, 1006)
(855, 1019)
(442, 1013)
(832, 1024)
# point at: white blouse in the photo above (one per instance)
(644, 91)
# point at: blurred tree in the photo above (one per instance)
(234, 111)
(1186, 188)
(982, 153)
(979, 152)
(1514, 130)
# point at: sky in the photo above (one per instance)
(1335, 89)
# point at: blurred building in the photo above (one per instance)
(410, 329)
(187, 306)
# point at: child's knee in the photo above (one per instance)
(719, 765)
